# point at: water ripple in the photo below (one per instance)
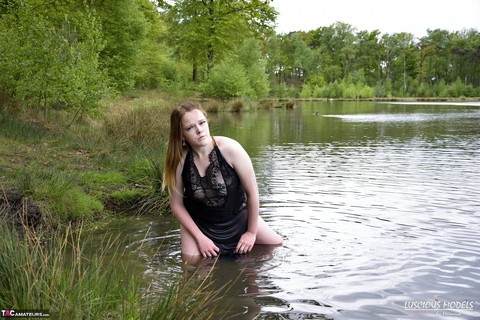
(384, 216)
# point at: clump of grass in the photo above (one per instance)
(191, 298)
(104, 178)
(266, 104)
(211, 106)
(157, 201)
(127, 195)
(126, 200)
(60, 276)
(58, 192)
(56, 275)
(136, 127)
(237, 105)
(15, 129)
(290, 104)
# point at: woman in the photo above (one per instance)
(213, 190)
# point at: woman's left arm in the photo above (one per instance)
(239, 159)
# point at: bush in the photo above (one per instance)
(227, 80)
(307, 91)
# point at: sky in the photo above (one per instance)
(388, 16)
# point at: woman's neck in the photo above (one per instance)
(203, 151)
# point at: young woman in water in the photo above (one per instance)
(213, 189)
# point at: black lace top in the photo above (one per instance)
(217, 201)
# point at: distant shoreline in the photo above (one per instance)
(474, 101)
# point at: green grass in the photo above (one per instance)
(73, 171)
(19, 130)
(56, 275)
(57, 193)
(60, 275)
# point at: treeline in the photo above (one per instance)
(72, 53)
(339, 62)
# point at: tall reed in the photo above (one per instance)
(60, 276)
(57, 276)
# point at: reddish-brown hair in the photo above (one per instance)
(175, 148)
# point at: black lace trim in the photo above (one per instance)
(211, 189)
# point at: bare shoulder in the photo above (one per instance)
(231, 149)
(226, 143)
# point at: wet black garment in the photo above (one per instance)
(216, 202)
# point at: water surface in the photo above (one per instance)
(378, 205)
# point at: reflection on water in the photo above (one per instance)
(378, 205)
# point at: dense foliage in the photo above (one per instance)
(70, 54)
(337, 61)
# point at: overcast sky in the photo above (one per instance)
(388, 16)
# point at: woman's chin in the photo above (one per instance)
(205, 140)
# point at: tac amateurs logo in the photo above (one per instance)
(11, 313)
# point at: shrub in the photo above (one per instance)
(227, 80)
(307, 91)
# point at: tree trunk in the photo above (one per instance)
(195, 72)
(210, 60)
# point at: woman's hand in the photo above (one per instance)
(245, 245)
(207, 248)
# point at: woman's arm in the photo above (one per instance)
(205, 246)
(239, 159)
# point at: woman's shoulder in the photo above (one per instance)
(231, 149)
(226, 143)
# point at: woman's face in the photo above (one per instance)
(195, 128)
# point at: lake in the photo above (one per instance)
(378, 204)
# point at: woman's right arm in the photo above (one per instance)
(205, 246)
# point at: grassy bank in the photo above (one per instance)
(82, 170)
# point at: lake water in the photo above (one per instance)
(378, 205)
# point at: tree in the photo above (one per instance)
(124, 28)
(303, 57)
(250, 57)
(435, 51)
(207, 30)
(49, 56)
(465, 56)
(369, 56)
(336, 47)
(155, 66)
(398, 60)
(274, 66)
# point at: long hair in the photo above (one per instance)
(175, 148)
